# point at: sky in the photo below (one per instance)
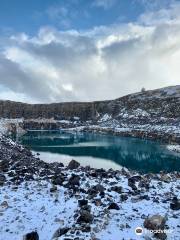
(82, 50)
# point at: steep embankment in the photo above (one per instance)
(151, 114)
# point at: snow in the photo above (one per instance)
(105, 118)
(64, 121)
(32, 207)
(5, 124)
(139, 112)
(172, 91)
(174, 148)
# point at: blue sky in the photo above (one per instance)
(82, 50)
(20, 15)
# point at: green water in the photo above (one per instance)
(102, 151)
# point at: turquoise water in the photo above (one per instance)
(102, 151)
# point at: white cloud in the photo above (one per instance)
(106, 4)
(102, 63)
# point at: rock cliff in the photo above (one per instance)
(155, 103)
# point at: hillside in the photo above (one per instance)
(156, 103)
(151, 114)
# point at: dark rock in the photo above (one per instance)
(4, 165)
(117, 189)
(99, 188)
(31, 236)
(144, 197)
(123, 197)
(86, 228)
(82, 202)
(91, 193)
(57, 180)
(74, 180)
(113, 206)
(160, 235)
(102, 194)
(85, 216)
(144, 184)
(155, 222)
(60, 231)
(175, 204)
(2, 179)
(73, 164)
(53, 188)
(134, 179)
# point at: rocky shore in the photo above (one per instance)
(52, 201)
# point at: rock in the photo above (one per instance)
(74, 180)
(144, 197)
(57, 180)
(113, 206)
(86, 228)
(161, 235)
(82, 202)
(85, 216)
(99, 188)
(2, 179)
(134, 179)
(155, 222)
(123, 197)
(175, 204)
(117, 189)
(4, 205)
(98, 202)
(4, 165)
(165, 178)
(31, 236)
(60, 231)
(73, 164)
(53, 188)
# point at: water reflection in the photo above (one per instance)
(137, 154)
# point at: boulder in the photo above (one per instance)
(175, 204)
(123, 197)
(117, 189)
(2, 179)
(57, 180)
(31, 236)
(155, 222)
(60, 231)
(82, 202)
(113, 206)
(53, 188)
(99, 188)
(73, 164)
(85, 217)
(74, 180)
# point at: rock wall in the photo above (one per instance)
(147, 105)
(85, 111)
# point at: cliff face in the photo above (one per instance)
(84, 111)
(161, 103)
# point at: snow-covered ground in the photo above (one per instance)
(174, 148)
(32, 207)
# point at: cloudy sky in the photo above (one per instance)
(82, 50)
